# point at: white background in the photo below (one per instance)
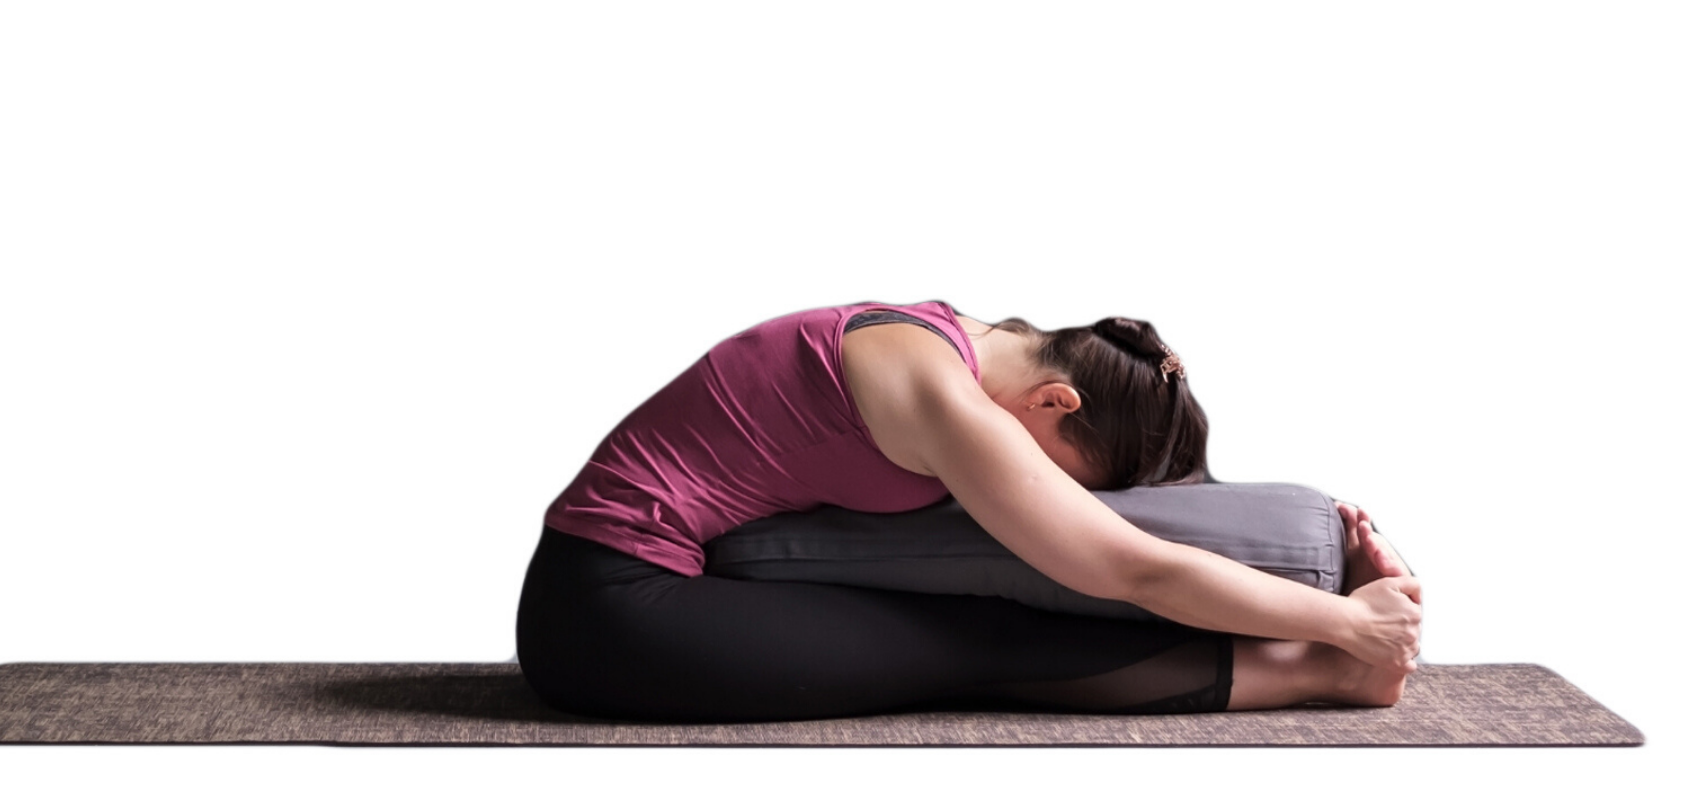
(310, 308)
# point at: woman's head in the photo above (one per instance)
(1138, 422)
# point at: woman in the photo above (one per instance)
(885, 408)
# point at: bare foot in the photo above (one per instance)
(1279, 674)
(1359, 684)
(1369, 557)
(1360, 568)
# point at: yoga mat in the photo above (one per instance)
(491, 705)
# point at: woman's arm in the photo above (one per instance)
(926, 413)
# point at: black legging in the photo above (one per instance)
(604, 634)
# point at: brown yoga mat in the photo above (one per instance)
(491, 705)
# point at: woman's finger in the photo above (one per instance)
(1410, 587)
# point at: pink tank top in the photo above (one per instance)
(761, 424)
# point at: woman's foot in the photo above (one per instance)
(1356, 683)
(1277, 674)
(1369, 557)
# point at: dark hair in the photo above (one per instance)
(1132, 424)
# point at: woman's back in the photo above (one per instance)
(761, 424)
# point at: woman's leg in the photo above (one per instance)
(1266, 673)
(604, 634)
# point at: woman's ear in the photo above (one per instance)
(1060, 396)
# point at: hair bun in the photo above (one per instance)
(1135, 336)
(1140, 339)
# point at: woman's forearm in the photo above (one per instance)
(1199, 588)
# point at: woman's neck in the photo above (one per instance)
(1006, 361)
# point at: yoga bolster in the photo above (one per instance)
(1282, 529)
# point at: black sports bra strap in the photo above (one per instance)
(880, 316)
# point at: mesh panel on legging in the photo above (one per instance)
(605, 634)
(1187, 678)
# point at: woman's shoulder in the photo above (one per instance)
(892, 373)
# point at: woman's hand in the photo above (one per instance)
(1387, 630)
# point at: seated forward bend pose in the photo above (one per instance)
(881, 407)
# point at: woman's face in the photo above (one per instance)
(1072, 462)
(1046, 429)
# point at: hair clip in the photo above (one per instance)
(1172, 363)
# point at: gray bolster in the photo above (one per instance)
(1283, 529)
